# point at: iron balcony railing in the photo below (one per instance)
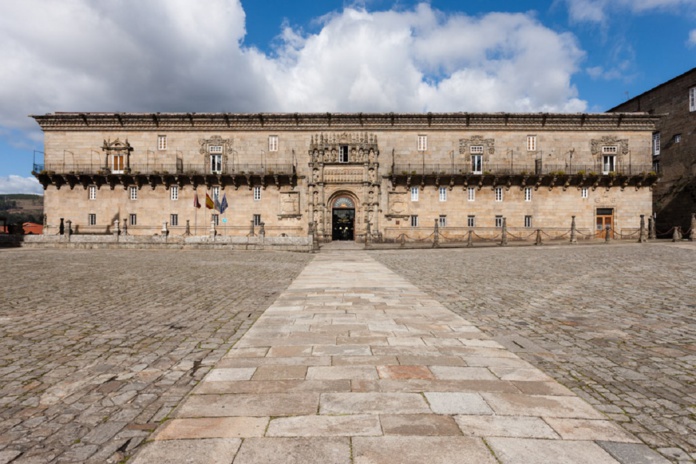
(166, 169)
(521, 169)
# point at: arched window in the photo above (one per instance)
(343, 202)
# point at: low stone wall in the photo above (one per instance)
(303, 244)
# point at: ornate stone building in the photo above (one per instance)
(673, 148)
(344, 176)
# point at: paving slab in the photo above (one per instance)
(418, 383)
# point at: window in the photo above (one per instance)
(499, 194)
(477, 164)
(499, 221)
(216, 163)
(161, 142)
(476, 149)
(133, 193)
(608, 164)
(531, 143)
(656, 143)
(118, 163)
(584, 192)
(528, 194)
(677, 138)
(422, 142)
(257, 193)
(610, 150)
(442, 221)
(528, 222)
(414, 193)
(692, 99)
(174, 192)
(133, 219)
(471, 221)
(215, 149)
(92, 192)
(174, 219)
(471, 193)
(443, 193)
(414, 221)
(216, 219)
(272, 143)
(92, 219)
(257, 219)
(343, 154)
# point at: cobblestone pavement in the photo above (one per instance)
(97, 347)
(616, 324)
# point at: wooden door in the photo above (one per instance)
(605, 220)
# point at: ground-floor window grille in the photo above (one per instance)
(133, 219)
(92, 219)
(528, 222)
(174, 219)
(471, 221)
(499, 221)
(414, 221)
(442, 221)
(257, 219)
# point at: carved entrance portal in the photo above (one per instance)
(343, 219)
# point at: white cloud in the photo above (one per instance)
(179, 55)
(692, 38)
(18, 184)
(599, 10)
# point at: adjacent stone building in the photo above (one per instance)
(388, 176)
(673, 148)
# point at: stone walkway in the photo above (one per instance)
(354, 364)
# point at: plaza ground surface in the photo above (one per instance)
(99, 348)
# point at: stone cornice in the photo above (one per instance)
(164, 122)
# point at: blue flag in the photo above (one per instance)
(223, 205)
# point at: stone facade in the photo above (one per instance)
(344, 176)
(674, 148)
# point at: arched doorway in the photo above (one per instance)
(343, 219)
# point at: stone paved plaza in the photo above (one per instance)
(100, 347)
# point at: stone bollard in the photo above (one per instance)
(165, 230)
(470, 239)
(676, 235)
(367, 236)
(61, 227)
(251, 228)
(262, 230)
(125, 226)
(538, 238)
(607, 235)
(642, 238)
(116, 230)
(69, 231)
(692, 234)
(436, 235)
(188, 228)
(213, 232)
(503, 239)
(402, 240)
(652, 233)
(573, 238)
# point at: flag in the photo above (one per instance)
(223, 205)
(196, 203)
(209, 202)
(217, 203)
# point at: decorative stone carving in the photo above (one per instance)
(397, 203)
(476, 140)
(597, 144)
(338, 175)
(215, 141)
(324, 147)
(289, 204)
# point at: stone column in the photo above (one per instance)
(676, 235)
(470, 239)
(125, 226)
(692, 235)
(642, 238)
(538, 237)
(61, 227)
(607, 234)
(652, 233)
(213, 232)
(436, 235)
(262, 230)
(573, 238)
(504, 240)
(251, 228)
(69, 223)
(165, 231)
(188, 228)
(117, 225)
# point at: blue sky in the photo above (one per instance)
(327, 55)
